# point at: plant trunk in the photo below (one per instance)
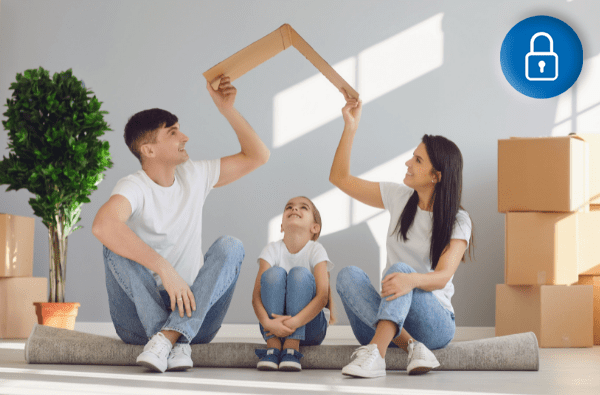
(58, 260)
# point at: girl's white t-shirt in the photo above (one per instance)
(169, 219)
(313, 253)
(415, 251)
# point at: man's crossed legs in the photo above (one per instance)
(140, 311)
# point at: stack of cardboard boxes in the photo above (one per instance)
(549, 188)
(18, 289)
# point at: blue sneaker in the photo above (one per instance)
(269, 359)
(290, 360)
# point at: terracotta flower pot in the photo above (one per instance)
(58, 315)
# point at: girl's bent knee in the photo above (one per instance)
(273, 275)
(300, 275)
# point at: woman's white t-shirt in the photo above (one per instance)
(169, 219)
(415, 250)
(313, 253)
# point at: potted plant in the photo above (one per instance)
(54, 152)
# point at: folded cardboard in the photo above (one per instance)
(17, 312)
(559, 315)
(16, 245)
(264, 49)
(550, 248)
(594, 281)
(543, 174)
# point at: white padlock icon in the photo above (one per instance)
(544, 55)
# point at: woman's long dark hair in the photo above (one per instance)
(446, 158)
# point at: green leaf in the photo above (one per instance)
(53, 127)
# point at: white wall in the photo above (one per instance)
(422, 67)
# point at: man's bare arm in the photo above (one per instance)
(109, 227)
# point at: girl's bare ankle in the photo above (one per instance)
(292, 343)
(274, 343)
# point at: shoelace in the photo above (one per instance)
(363, 355)
(419, 353)
(156, 346)
(178, 350)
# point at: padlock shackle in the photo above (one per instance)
(536, 36)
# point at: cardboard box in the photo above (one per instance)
(17, 312)
(543, 174)
(594, 281)
(559, 315)
(264, 49)
(594, 271)
(550, 248)
(593, 139)
(16, 245)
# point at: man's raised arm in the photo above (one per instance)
(254, 153)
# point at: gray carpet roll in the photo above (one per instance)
(62, 346)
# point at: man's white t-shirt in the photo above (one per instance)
(169, 219)
(313, 253)
(415, 251)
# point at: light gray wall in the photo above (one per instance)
(141, 54)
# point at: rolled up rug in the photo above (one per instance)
(61, 346)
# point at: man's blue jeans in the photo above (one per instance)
(419, 312)
(139, 309)
(287, 294)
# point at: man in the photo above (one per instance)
(151, 230)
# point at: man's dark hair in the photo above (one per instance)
(142, 128)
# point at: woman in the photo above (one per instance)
(427, 238)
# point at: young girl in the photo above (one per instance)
(292, 296)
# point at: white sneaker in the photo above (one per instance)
(368, 362)
(155, 353)
(420, 358)
(180, 357)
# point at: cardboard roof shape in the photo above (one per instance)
(264, 49)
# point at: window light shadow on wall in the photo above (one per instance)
(375, 71)
(578, 109)
(309, 105)
(401, 58)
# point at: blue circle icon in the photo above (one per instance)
(541, 57)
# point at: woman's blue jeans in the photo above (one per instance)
(419, 312)
(139, 309)
(287, 294)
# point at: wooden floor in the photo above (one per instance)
(562, 371)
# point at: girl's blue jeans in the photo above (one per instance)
(419, 312)
(139, 309)
(287, 294)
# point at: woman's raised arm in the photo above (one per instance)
(367, 192)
